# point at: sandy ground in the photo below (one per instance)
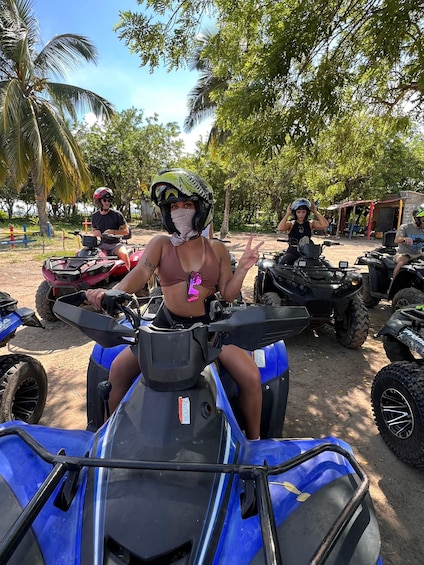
(329, 389)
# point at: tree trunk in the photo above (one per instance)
(225, 228)
(41, 201)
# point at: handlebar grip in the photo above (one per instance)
(112, 299)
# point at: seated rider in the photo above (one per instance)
(109, 221)
(300, 229)
(406, 237)
(191, 268)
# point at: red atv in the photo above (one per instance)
(89, 268)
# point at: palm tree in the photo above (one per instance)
(201, 105)
(36, 142)
(200, 102)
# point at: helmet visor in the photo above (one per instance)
(164, 192)
(167, 193)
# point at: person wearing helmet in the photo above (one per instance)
(191, 268)
(109, 221)
(300, 228)
(406, 237)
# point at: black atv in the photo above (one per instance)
(397, 393)
(378, 282)
(331, 294)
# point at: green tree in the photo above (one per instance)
(125, 153)
(294, 66)
(362, 156)
(8, 197)
(35, 139)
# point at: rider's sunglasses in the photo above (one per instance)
(106, 199)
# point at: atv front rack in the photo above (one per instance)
(74, 270)
(256, 474)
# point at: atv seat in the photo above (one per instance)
(388, 261)
(389, 239)
(389, 245)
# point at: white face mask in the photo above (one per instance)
(182, 219)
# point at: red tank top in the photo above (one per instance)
(170, 271)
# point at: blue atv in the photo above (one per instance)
(170, 477)
(23, 380)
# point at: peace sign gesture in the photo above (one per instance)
(250, 255)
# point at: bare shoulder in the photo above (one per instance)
(158, 241)
(153, 251)
(217, 245)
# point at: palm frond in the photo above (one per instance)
(63, 53)
(17, 118)
(73, 99)
(64, 166)
(200, 102)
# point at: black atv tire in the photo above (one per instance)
(352, 331)
(367, 299)
(406, 297)
(256, 299)
(397, 397)
(396, 350)
(42, 304)
(271, 299)
(23, 388)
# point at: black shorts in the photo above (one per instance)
(167, 319)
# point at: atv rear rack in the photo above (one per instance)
(257, 474)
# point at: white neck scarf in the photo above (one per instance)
(182, 218)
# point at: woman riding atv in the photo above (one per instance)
(190, 269)
(300, 229)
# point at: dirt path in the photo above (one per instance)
(329, 391)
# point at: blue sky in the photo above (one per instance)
(118, 76)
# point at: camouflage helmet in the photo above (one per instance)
(179, 185)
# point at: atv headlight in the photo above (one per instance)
(301, 262)
(343, 264)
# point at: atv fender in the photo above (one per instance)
(394, 325)
(380, 269)
(408, 276)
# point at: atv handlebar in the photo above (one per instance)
(189, 350)
(249, 327)
(325, 243)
